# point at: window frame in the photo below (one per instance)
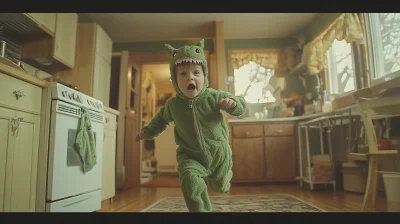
(331, 66)
(371, 68)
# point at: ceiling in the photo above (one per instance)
(138, 27)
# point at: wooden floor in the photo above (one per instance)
(137, 199)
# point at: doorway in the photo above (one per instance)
(158, 155)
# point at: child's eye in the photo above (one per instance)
(183, 73)
(197, 72)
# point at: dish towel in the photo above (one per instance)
(85, 141)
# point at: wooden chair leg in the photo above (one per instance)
(374, 183)
(367, 188)
(370, 190)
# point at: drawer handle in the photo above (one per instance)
(279, 131)
(18, 94)
(247, 133)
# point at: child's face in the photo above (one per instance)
(190, 78)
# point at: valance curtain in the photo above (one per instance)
(347, 27)
(269, 58)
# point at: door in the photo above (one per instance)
(102, 77)
(280, 158)
(248, 159)
(65, 38)
(66, 177)
(7, 144)
(132, 152)
(47, 20)
(20, 189)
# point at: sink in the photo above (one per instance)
(11, 64)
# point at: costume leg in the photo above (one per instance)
(219, 180)
(194, 189)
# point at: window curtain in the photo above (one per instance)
(270, 58)
(347, 27)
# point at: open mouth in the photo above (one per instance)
(190, 59)
(191, 87)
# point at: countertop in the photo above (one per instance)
(110, 110)
(296, 118)
(19, 74)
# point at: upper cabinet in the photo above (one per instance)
(92, 71)
(46, 21)
(51, 51)
(65, 38)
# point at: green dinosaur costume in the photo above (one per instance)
(204, 154)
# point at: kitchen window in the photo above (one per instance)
(340, 71)
(385, 40)
(252, 82)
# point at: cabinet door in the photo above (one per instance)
(6, 145)
(47, 20)
(65, 38)
(103, 44)
(102, 76)
(20, 189)
(248, 159)
(108, 186)
(280, 158)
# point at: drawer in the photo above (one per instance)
(247, 131)
(30, 100)
(279, 129)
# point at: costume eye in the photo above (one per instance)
(197, 50)
(174, 54)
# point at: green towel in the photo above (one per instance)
(85, 141)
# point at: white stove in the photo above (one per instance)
(69, 188)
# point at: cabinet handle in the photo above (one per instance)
(247, 133)
(279, 131)
(19, 93)
(107, 119)
(15, 124)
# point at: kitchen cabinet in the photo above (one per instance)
(53, 50)
(46, 21)
(109, 152)
(19, 137)
(65, 38)
(92, 71)
(263, 152)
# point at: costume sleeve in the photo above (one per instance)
(240, 107)
(159, 123)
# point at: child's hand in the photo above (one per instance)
(227, 103)
(141, 136)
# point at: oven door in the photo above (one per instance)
(66, 177)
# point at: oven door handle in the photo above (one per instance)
(69, 203)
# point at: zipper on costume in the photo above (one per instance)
(195, 121)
